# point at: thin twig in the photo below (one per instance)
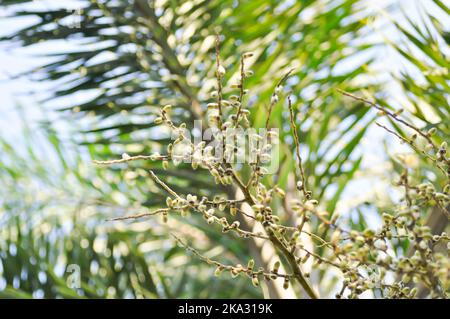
(132, 158)
(163, 185)
(247, 271)
(219, 80)
(241, 91)
(273, 101)
(137, 216)
(304, 187)
(395, 117)
(411, 143)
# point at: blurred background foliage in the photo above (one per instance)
(126, 59)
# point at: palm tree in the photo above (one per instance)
(134, 56)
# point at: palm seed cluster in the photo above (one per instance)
(364, 260)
